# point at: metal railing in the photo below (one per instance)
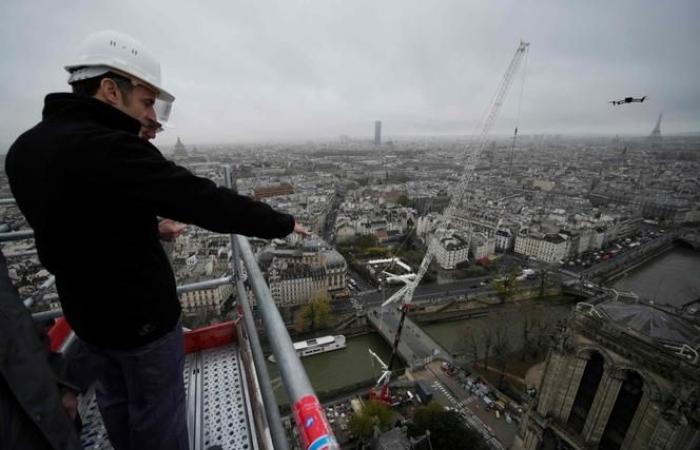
(311, 423)
(16, 235)
(54, 313)
(272, 413)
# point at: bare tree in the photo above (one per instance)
(530, 323)
(468, 344)
(487, 342)
(501, 348)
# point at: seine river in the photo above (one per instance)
(671, 278)
(334, 370)
(340, 368)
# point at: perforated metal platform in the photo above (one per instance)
(218, 407)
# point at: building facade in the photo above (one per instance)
(620, 376)
(482, 245)
(449, 250)
(273, 191)
(549, 248)
(296, 276)
(205, 299)
(504, 240)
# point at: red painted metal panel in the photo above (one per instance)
(209, 337)
(58, 333)
(314, 430)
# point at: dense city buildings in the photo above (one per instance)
(297, 274)
(548, 198)
(544, 218)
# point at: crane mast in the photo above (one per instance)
(472, 156)
(405, 294)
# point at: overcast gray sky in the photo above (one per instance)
(306, 69)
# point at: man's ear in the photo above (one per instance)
(109, 92)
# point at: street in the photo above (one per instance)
(447, 391)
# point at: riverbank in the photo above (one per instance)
(478, 309)
(338, 373)
(641, 262)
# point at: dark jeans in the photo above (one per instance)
(141, 394)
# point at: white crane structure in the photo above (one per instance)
(405, 294)
(382, 385)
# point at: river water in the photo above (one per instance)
(334, 370)
(340, 368)
(673, 278)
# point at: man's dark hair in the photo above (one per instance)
(88, 87)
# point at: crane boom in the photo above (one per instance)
(473, 153)
(381, 390)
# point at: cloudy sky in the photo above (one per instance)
(315, 69)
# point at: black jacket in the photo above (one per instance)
(91, 190)
(31, 413)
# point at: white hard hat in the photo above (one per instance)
(108, 50)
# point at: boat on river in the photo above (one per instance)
(317, 345)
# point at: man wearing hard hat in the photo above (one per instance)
(92, 190)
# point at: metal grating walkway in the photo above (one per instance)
(218, 407)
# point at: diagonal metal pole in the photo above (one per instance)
(311, 421)
(279, 437)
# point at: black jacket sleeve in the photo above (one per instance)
(131, 166)
(30, 399)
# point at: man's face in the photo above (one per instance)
(139, 104)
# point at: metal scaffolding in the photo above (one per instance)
(312, 426)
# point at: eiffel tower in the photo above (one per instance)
(654, 138)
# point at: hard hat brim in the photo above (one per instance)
(161, 93)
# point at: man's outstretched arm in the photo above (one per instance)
(137, 169)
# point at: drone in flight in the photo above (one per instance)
(622, 101)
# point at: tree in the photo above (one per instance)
(506, 286)
(468, 344)
(501, 348)
(447, 430)
(366, 241)
(314, 315)
(373, 413)
(379, 410)
(361, 425)
(541, 332)
(300, 322)
(487, 341)
(403, 200)
(543, 277)
(530, 323)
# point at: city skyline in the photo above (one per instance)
(319, 70)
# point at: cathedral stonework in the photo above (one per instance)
(619, 376)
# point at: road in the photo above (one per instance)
(425, 293)
(448, 392)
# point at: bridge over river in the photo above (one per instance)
(416, 347)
